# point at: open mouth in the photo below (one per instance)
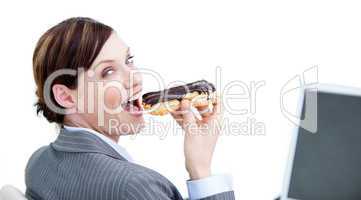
(133, 105)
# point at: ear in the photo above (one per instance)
(64, 96)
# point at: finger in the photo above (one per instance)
(177, 116)
(175, 108)
(188, 115)
(177, 112)
(217, 107)
(204, 111)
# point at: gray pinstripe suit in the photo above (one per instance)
(83, 167)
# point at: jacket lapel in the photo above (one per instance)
(83, 142)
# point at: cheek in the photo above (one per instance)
(112, 97)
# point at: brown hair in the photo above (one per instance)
(71, 44)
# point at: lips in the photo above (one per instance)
(134, 106)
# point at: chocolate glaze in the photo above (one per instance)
(178, 92)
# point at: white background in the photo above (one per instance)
(185, 40)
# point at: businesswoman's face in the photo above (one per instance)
(108, 94)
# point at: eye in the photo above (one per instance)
(108, 71)
(130, 60)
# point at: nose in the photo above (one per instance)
(134, 81)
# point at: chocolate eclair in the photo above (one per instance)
(200, 93)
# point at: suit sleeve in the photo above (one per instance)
(221, 196)
(210, 187)
(147, 186)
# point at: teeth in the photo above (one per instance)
(135, 97)
(140, 101)
(125, 103)
(132, 98)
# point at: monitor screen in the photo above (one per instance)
(327, 163)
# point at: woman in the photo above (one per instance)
(84, 72)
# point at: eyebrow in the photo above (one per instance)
(110, 60)
(104, 61)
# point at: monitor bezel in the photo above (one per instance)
(329, 88)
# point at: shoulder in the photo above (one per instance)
(36, 156)
(123, 179)
(133, 181)
(145, 183)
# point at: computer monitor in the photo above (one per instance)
(325, 154)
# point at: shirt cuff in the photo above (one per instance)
(209, 186)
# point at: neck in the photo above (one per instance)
(79, 122)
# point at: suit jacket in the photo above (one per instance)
(80, 166)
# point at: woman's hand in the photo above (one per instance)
(200, 136)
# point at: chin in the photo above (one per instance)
(136, 131)
(136, 128)
(129, 125)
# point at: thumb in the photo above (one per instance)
(187, 113)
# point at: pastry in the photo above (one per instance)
(200, 93)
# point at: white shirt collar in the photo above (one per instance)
(120, 150)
